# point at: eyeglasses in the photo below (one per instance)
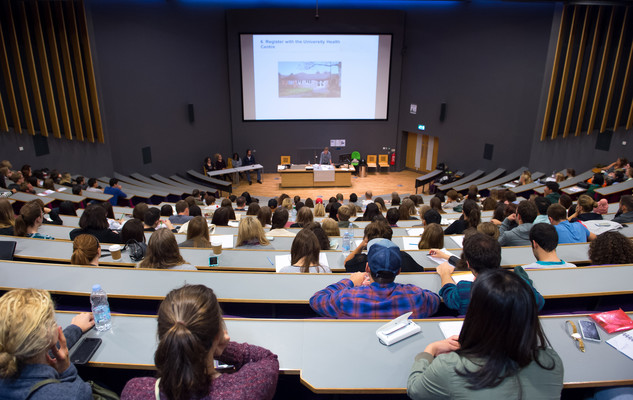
(573, 332)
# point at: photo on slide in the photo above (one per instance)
(309, 79)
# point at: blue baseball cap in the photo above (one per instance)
(383, 255)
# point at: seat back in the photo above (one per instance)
(371, 160)
(383, 159)
(285, 160)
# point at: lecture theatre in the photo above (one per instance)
(151, 144)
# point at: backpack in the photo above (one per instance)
(98, 392)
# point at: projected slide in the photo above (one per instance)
(295, 77)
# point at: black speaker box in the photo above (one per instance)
(488, 148)
(442, 112)
(147, 155)
(190, 113)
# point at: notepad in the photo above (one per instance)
(451, 328)
(284, 260)
(439, 260)
(415, 231)
(227, 240)
(234, 224)
(61, 189)
(463, 276)
(458, 239)
(411, 243)
(624, 343)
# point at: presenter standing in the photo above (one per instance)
(250, 160)
(326, 157)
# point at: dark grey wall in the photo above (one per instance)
(485, 59)
(486, 62)
(303, 139)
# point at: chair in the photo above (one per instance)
(355, 160)
(285, 160)
(383, 161)
(371, 162)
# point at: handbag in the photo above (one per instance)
(136, 249)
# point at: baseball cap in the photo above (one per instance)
(319, 200)
(383, 255)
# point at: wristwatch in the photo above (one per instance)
(575, 335)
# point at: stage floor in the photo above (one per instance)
(378, 183)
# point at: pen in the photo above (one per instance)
(271, 263)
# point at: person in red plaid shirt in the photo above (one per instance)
(373, 293)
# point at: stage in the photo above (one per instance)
(380, 183)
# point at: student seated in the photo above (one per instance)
(520, 235)
(191, 334)
(393, 216)
(163, 253)
(86, 250)
(343, 215)
(133, 230)
(93, 221)
(331, 227)
(304, 254)
(544, 240)
(552, 192)
(481, 253)
(279, 221)
(611, 248)
(501, 352)
(115, 190)
(197, 234)
(304, 217)
(373, 293)
(471, 217)
(7, 218)
(584, 210)
(432, 237)
(625, 212)
(182, 213)
(221, 216)
(542, 204)
(568, 232)
(29, 221)
(29, 336)
(265, 215)
(250, 235)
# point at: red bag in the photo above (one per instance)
(613, 321)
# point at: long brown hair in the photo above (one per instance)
(304, 216)
(432, 237)
(250, 229)
(162, 251)
(305, 245)
(7, 217)
(189, 320)
(198, 231)
(85, 249)
(29, 213)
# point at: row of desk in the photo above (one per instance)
(341, 356)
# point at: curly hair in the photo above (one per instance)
(611, 248)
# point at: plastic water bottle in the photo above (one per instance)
(100, 308)
(294, 214)
(347, 243)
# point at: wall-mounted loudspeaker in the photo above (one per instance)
(40, 143)
(442, 112)
(190, 112)
(147, 155)
(603, 141)
(488, 148)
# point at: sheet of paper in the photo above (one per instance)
(61, 189)
(439, 260)
(450, 328)
(447, 221)
(624, 343)
(234, 224)
(458, 239)
(463, 276)
(576, 189)
(227, 240)
(415, 231)
(411, 243)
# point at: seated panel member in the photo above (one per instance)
(249, 159)
(373, 293)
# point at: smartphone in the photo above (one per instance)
(589, 331)
(84, 351)
(213, 261)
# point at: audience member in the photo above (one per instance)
(373, 293)
(167, 211)
(197, 234)
(395, 199)
(519, 236)
(304, 216)
(207, 165)
(453, 199)
(367, 200)
(343, 215)
(371, 211)
(163, 253)
(191, 333)
(611, 248)
(264, 215)
(481, 253)
(113, 223)
(584, 210)
(542, 204)
(67, 208)
(319, 209)
(544, 240)
(29, 221)
(331, 227)
(93, 185)
(93, 221)
(432, 237)
(133, 230)
(625, 212)
(393, 216)
(471, 217)
(498, 354)
(322, 237)
(182, 213)
(381, 204)
(490, 229)
(222, 216)
(568, 232)
(565, 201)
(304, 254)
(29, 352)
(115, 190)
(250, 235)
(86, 250)
(431, 217)
(253, 209)
(552, 192)
(7, 218)
(279, 221)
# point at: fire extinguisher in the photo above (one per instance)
(392, 161)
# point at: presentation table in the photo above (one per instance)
(299, 176)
